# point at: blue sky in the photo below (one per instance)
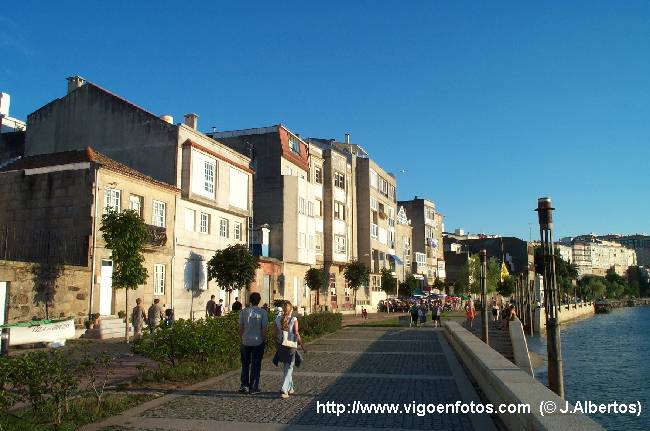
(486, 105)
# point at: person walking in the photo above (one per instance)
(495, 312)
(155, 315)
(138, 317)
(219, 310)
(470, 313)
(236, 306)
(211, 307)
(286, 333)
(414, 314)
(252, 332)
(422, 313)
(436, 311)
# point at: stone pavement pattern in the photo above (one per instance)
(370, 365)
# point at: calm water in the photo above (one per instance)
(606, 358)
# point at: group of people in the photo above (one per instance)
(152, 317)
(253, 321)
(217, 309)
(420, 310)
(501, 315)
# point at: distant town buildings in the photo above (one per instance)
(595, 256)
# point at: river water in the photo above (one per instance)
(606, 358)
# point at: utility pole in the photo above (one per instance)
(551, 298)
(484, 313)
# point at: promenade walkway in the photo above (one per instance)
(369, 365)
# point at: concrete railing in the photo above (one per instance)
(567, 312)
(502, 382)
(520, 346)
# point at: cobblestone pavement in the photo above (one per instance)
(368, 365)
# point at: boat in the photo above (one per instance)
(53, 332)
(602, 306)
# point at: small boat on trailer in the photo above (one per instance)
(54, 332)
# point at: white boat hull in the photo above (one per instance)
(56, 333)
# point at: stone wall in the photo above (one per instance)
(71, 290)
(567, 312)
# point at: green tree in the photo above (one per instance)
(388, 282)
(507, 287)
(408, 286)
(593, 286)
(316, 280)
(565, 272)
(125, 234)
(493, 274)
(233, 268)
(439, 284)
(474, 274)
(356, 274)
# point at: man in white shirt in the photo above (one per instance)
(253, 322)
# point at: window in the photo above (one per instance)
(223, 228)
(374, 231)
(111, 199)
(190, 216)
(294, 144)
(208, 177)
(237, 228)
(318, 246)
(135, 203)
(205, 223)
(340, 243)
(373, 204)
(318, 210)
(311, 242)
(159, 279)
(339, 210)
(302, 206)
(339, 180)
(420, 258)
(238, 188)
(302, 238)
(318, 175)
(310, 208)
(158, 216)
(374, 179)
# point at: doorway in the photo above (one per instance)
(106, 288)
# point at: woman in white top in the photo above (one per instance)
(287, 355)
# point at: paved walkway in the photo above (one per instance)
(370, 365)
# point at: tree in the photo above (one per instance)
(493, 274)
(316, 280)
(233, 268)
(592, 285)
(388, 282)
(408, 286)
(507, 287)
(565, 272)
(356, 274)
(439, 284)
(125, 234)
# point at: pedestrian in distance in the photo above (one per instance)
(414, 315)
(219, 310)
(364, 313)
(495, 312)
(211, 307)
(287, 341)
(422, 313)
(155, 315)
(138, 317)
(436, 311)
(253, 322)
(169, 317)
(236, 306)
(470, 313)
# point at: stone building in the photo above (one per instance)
(427, 222)
(593, 256)
(285, 197)
(51, 207)
(214, 206)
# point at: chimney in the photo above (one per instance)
(191, 120)
(74, 82)
(347, 138)
(4, 104)
(168, 118)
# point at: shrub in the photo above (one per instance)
(317, 324)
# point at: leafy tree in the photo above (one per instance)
(125, 234)
(493, 274)
(316, 279)
(439, 284)
(233, 268)
(388, 282)
(356, 274)
(408, 286)
(565, 272)
(593, 286)
(507, 287)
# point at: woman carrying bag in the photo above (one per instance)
(287, 340)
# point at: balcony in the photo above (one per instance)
(156, 235)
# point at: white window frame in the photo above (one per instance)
(223, 228)
(237, 231)
(302, 206)
(339, 180)
(209, 172)
(294, 144)
(302, 240)
(310, 209)
(190, 225)
(339, 210)
(374, 205)
(156, 218)
(159, 279)
(112, 199)
(204, 223)
(136, 200)
(318, 175)
(318, 241)
(374, 231)
(339, 241)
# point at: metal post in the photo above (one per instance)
(531, 305)
(484, 313)
(551, 297)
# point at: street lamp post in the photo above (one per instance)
(484, 314)
(551, 299)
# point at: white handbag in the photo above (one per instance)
(288, 343)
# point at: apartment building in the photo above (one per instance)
(639, 243)
(335, 173)
(285, 199)
(54, 202)
(593, 256)
(214, 206)
(428, 251)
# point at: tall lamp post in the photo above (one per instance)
(484, 313)
(551, 297)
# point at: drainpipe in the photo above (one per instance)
(94, 244)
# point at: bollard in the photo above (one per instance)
(4, 342)
(484, 313)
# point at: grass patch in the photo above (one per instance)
(82, 411)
